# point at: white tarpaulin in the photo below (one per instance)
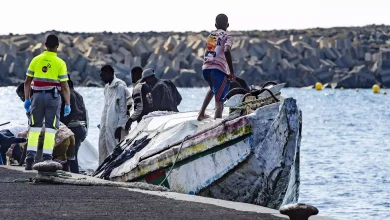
(88, 157)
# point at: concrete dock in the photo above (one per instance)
(20, 200)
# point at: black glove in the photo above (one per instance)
(118, 133)
(128, 124)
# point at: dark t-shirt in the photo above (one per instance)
(166, 97)
(78, 112)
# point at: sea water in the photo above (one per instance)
(345, 148)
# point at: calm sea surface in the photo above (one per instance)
(345, 149)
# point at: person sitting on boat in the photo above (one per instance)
(160, 95)
(7, 138)
(114, 115)
(76, 121)
(216, 60)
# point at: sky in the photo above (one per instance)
(35, 16)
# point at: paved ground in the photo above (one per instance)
(46, 201)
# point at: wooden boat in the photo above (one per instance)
(251, 155)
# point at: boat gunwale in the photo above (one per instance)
(197, 156)
(231, 127)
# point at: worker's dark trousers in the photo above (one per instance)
(44, 107)
(80, 133)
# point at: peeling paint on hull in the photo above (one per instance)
(252, 159)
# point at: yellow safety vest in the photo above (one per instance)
(48, 70)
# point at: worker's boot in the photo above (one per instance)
(29, 166)
(65, 167)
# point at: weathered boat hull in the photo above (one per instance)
(252, 159)
(251, 156)
(270, 175)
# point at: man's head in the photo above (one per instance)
(107, 74)
(148, 76)
(222, 22)
(52, 43)
(136, 74)
(20, 91)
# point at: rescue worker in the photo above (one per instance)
(49, 76)
(76, 121)
(114, 115)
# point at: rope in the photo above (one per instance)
(5, 123)
(243, 105)
(177, 156)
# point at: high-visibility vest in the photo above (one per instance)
(48, 70)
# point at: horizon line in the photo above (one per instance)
(194, 31)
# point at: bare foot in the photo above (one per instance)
(202, 117)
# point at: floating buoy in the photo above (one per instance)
(341, 88)
(318, 86)
(376, 88)
(384, 92)
(357, 90)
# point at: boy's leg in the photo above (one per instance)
(218, 109)
(202, 115)
(220, 89)
(209, 95)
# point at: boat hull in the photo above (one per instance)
(259, 165)
(270, 175)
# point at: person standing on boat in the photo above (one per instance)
(216, 66)
(49, 74)
(76, 121)
(165, 95)
(153, 94)
(114, 115)
(136, 75)
(142, 98)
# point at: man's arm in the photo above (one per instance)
(27, 87)
(63, 77)
(138, 102)
(122, 107)
(66, 92)
(177, 93)
(228, 56)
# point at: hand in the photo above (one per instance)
(27, 105)
(128, 124)
(118, 133)
(67, 110)
(232, 77)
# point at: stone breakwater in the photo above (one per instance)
(351, 56)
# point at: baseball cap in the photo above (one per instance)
(146, 73)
